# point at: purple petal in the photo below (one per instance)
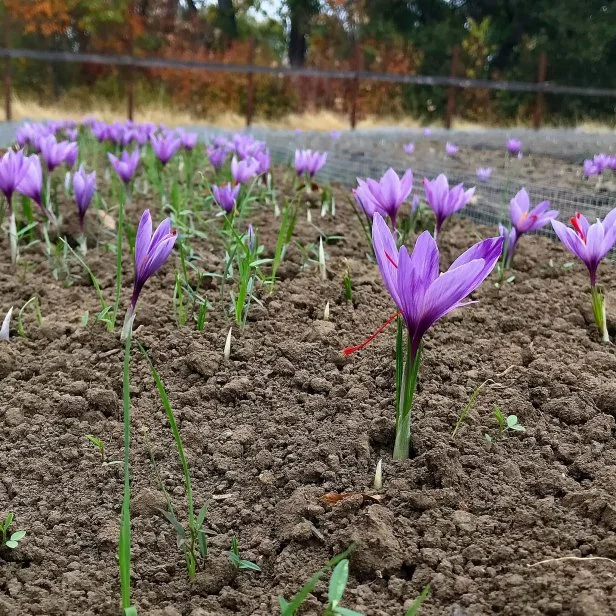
(384, 244)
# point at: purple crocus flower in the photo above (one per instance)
(226, 196)
(100, 130)
(55, 153)
(409, 148)
(484, 173)
(422, 295)
(364, 199)
(84, 186)
(307, 161)
(451, 149)
(31, 185)
(390, 192)
(591, 243)
(601, 161)
(263, 158)
(244, 170)
(26, 134)
(165, 147)
(524, 219)
(188, 140)
(514, 146)
(509, 241)
(445, 201)
(427, 131)
(126, 165)
(217, 156)
(71, 133)
(151, 252)
(335, 134)
(588, 242)
(13, 168)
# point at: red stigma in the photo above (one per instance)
(370, 338)
(174, 232)
(576, 225)
(387, 255)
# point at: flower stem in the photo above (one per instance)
(13, 237)
(125, 530)
(405, 401)
(598, 309)
(120, 232)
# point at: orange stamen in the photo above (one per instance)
(370, 338)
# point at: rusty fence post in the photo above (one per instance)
(130, 69)
(250, 86)
(8, 82)
(452, 90)
(541, 75)
(357, 62)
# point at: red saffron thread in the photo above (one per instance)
(576, 225)
(370, 338)
(391, 260)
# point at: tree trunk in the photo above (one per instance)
(226, 18)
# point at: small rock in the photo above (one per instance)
(218, 574)
(148, 502)
(13, 417)
(236, 389)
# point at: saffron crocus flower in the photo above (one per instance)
(525, 220)
(250, 238)
(422, 297)
(335, 134)
(71, 133)
(365, 199)
(31, 184)
(514, 146)
(263, 158)
(591, 243)
(217, 156)
(189, 140)
(151, 252)
(309, 162)
(13, 168)
(484, 173)
(55, 153)
(126, 165)
(510, 238)
(165, 147)
(451, 149)
(390, 192)
(84, 186)
(445, 201)
(427, 131)
(6, 324)
(226, 196)
(590, 168)
(244, 170)
(409, 148)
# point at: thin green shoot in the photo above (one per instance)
(196, 538)
(419, 601)
(119, 237)
(124, 545)
(506, 422)
(178, 302)
(289, 608)
(237, 562)
(468, 406)
(347, 286)
(288, 220)
(10, 541)
(37, 313)
(98, 444)
(335, 591)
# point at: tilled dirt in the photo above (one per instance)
(288, 419)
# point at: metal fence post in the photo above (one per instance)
(541, 75)
(451, 90)
(8, 82)
(357, 62)
(250, 91)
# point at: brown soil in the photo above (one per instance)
(288, 419)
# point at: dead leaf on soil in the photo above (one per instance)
(331, 498)
(107, 221)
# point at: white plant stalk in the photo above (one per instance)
(309, 216)
(378, 475)
(326, 312)
(6, 324)
(322, 260)
(227, 351)
(13, 238)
